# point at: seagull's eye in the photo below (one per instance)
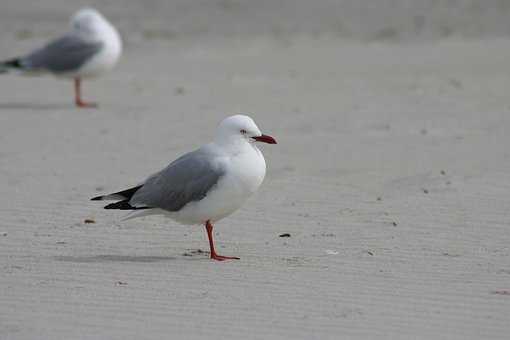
(243, 131)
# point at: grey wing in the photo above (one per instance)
(187, 179)
(64, 54)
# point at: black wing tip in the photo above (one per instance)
(97, 198)
(15, 62)
(123, 205)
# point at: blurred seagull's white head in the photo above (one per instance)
(88, 21)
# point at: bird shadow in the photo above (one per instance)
(34, 106)
(190, 254)
(114, 258)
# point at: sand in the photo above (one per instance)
(391, 176)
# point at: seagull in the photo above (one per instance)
(92, 47)
(205, 185)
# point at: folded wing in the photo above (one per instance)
(187, 179)
(65, 54)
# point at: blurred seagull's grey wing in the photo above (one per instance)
(65, 54)
(187, 179)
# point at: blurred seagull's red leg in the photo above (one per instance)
(77, 95)
(214, 256)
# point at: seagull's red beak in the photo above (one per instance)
(265, 139)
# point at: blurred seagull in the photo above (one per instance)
(92, 47)
(205, 185)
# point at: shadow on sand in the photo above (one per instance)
(114, 258)
(35, 106)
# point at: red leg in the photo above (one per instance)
(214, 256)
(77, 95)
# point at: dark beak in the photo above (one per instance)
(265, 139)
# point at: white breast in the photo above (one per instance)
(107, 58)
(245, 172)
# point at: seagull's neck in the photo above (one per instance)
(101, 31)
(235, 145)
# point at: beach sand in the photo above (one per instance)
(391, 175)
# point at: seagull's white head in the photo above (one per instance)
(241, 128)
(89, 21)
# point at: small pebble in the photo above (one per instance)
(455, 83)
(193, 252)
(328, 235)
(425, 191)
(394, 224)
(89, 220)
(501, 292)
(179, 90)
